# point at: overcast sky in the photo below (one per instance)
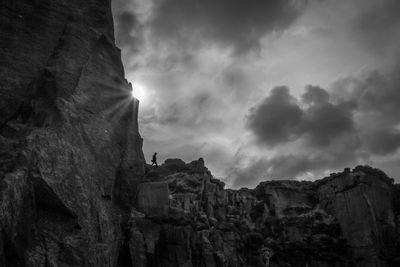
(266, 89)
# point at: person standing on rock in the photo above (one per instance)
(154, 160)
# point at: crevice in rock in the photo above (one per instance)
(98, 229)
(124, 255)
(39, 109)
(11, 256)
(47, 200)
(44, 108)
(16, 125)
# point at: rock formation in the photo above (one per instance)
(75, 191)
(70, 151)
(348, 219)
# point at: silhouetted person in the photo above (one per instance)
(154, 160)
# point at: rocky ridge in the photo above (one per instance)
(348, 219)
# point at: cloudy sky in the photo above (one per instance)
(266, 89)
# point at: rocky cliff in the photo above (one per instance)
(185, 217)
(74, 189)
(70, 151)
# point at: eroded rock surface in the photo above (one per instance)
(347, 219)
(70, 151)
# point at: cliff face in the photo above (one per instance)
(348, 219)
(73, 187)
(70, 151)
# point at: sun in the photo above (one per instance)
(139, 92)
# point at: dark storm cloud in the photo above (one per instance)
(315, 95)
(358, 119)
(248, 176)
(372, 96)
(188, 111)
(378, 107)
(236, 81)
(377, 27)
(279, 118)
(306, 163)
(276, 119)
(285, 167)
(323, 121)
(382, 141)
(380, 93)
(128, 32)
(235, 23)
(374, 93)
(325, 129)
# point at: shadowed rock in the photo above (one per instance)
(153, 199)
(348, 219)
(71, 153)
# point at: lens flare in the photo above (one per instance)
(139, 92)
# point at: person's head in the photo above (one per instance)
(155, 153)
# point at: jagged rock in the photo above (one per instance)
(153, 199)
(70, 151)
(362, 201)
(279, 223)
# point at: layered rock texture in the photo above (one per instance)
(348, 219)
(70, 151)
(75, 191)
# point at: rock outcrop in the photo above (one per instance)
(75, 191)
(70, 150)
(348, 219)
